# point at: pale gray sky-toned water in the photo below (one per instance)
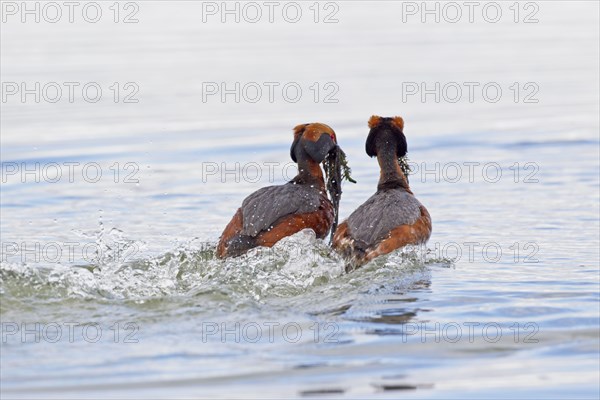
(114, 196)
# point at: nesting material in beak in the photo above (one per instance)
(404, 166)
(333, 165)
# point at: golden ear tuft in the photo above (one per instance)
(374, 121)
(398, 122)
(299, 130)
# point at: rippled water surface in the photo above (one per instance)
(109, 286)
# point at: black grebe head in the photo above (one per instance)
(386, 132)
(317, 140)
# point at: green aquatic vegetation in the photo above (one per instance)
(336, 169)
(404, 166)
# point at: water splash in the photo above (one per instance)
(294, 265)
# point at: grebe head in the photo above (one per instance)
(319, 142)
(316, 139)
(386, 132)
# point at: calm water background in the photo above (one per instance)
(528, 316)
